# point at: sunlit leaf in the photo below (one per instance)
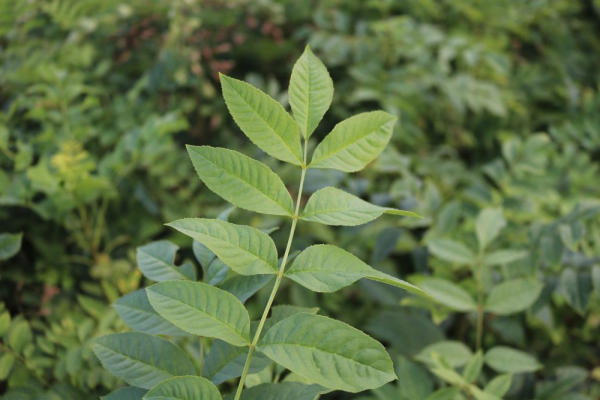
(355, 142)
(328, 352)
(310, 92)
(242, 181)
(201, 309)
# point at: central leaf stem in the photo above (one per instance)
(280, 274)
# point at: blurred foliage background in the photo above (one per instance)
(498, 105)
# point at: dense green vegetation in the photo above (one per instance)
(497, 145)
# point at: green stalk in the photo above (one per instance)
(280, 274)
(480, 299)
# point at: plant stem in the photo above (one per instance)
(280, 274)
(480, 299)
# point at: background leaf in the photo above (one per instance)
(513, 296)
(488, 225)
(507, 360)
(448, 294)
(449, 250)
(455, 353)
(10, 244)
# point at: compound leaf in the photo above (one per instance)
(263, 120)
(184, 388)
(513, 296)
(246, 250)
(201, 309)
(142, 360)
(242, 181)
(331, 206)
(355, 142)
(157, 262)
(328, 352)
(310, 92)
(325, 268)
(135, 310)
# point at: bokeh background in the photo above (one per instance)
(498, 105)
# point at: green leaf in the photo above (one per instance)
(201, 309)
(328, 352)
(214, 273)
(331, 206)
(242, 181)
(499, 386)
(19, 335)
(184, 388)
(513, 296)
(481, 395)
(325, 268)
(355, 142)
(6, 363)
(281, 391)
(310, 92)
(135, 310)
(157, 262)
(455, 353)
(414, 382)
(507, 360)
(449, 250)
(445, 394)
(449, 294)
(244, 249)
(488, 225)
(576, 288)
(10, 244)
(502, 257)
(225, 362)
(473, 367)
(126, 393)
(244, 287)
(263, 120)
(595, 281)
(142, 360)
(4, 322)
